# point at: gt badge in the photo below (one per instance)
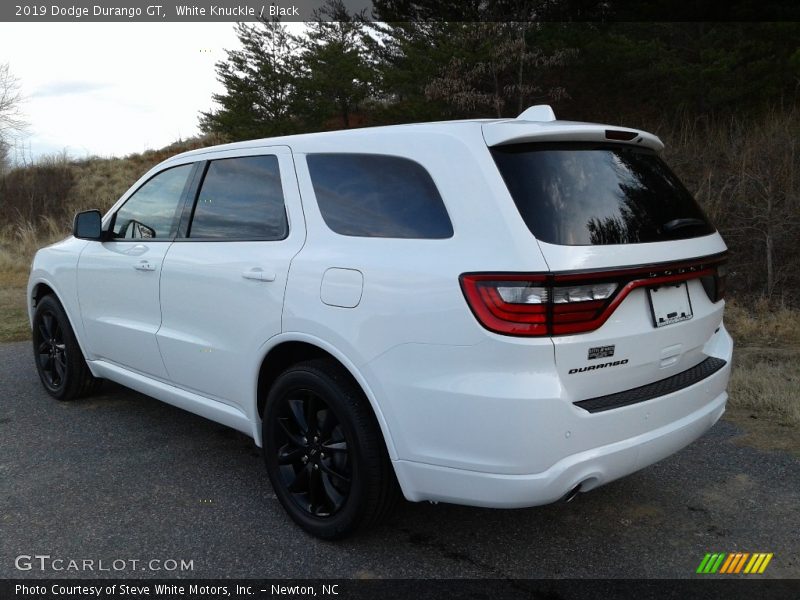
(601, 352)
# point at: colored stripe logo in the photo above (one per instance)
(734, 562)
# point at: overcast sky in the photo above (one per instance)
(110, 89)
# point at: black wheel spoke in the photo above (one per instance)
(335, 447)
(334, 497)
(293, 438)
(60, 367)
(296, 409)
(287, 456)
(327, 469)
(327, 424)
(47, 324)
(299, 484)
(315, 491)
(312, 406)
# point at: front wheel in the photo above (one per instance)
(59, 360)
(324, 452)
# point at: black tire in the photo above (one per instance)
(59, 360)
(324, 451)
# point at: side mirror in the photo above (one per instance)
(88, 225)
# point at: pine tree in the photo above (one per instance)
(260, 80)
(335, 76)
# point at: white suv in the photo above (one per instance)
(496, 313)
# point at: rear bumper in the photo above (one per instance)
(589, 469)
(481, 437)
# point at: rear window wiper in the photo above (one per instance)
(682, 223)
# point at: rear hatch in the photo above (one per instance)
(636, 269)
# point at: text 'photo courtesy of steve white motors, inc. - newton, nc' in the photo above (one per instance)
(169, 590)
(166, 11)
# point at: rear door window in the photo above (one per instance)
(240, 199)
(597, 194)
(370, 195)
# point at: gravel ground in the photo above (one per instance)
(123, 476)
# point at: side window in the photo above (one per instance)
(241, 199)
(371, 195)
(152, 211)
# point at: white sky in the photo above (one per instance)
(111, 89)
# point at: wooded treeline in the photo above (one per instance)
(723, 96)
(349, 71)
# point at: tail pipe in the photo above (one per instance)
(570, 495)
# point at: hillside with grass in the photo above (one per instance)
(38, 202)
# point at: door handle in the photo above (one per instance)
(144, 265)
(258, 274)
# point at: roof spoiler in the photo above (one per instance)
(540, 112)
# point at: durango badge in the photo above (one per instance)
(614, 363)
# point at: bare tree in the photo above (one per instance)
(755, 197)
(11, 121)
(770, 203)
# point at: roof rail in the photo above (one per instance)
(540, 112)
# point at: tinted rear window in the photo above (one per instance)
(371, 195)
(589, 194)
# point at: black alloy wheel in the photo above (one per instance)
(59, 360)
(51, 350)
(324, 451)
(313, 459)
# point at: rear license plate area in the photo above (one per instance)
(669, 304)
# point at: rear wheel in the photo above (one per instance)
(59, 360)
(324, 451)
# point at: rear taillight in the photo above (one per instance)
(535, 305)
(510, 304)
(714, 283)
(564, 303)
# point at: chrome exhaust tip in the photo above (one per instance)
(570, 495)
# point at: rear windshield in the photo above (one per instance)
(596, 194)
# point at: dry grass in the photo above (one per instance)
(18, 244)
(767, 384)
(766, 369)
(763, 325)
(13, 313)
